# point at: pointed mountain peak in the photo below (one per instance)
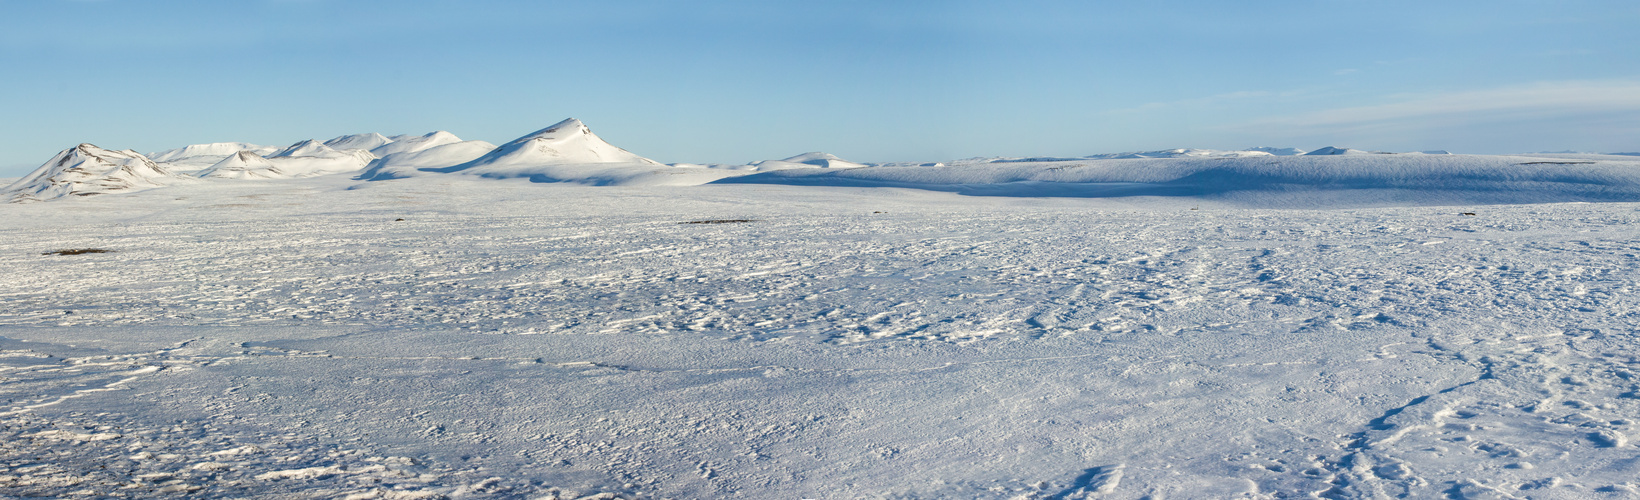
(567, 129)
(242, 165)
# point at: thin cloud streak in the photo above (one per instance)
(1545, 100)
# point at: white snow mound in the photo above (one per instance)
(87, 170)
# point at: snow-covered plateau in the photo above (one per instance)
(559, 318)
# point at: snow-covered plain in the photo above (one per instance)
(757, 339)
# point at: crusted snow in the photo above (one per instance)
(1170, 324)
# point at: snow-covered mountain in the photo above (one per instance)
(569, 152)
(359, 141)
(568, 142)
(86, 170)
(243, 165)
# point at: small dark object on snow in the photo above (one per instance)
(398, 220)
(1467, 213)
(718, 221)
(878, 212)
(76, 251)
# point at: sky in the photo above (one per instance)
(739, 81)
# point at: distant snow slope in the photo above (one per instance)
(86, 170)
(1263, 181)
(359, 141)
(1278, 151)
(1332, 151)
(408, 143)
(216, 149)
(420, 162)
(310, 158)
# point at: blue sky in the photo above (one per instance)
(739, 81)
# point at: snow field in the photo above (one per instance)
(514, 339)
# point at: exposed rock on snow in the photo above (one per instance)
(86, 170)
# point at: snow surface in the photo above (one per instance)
(508, 339)
(1173, 324)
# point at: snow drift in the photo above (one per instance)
(87, 170)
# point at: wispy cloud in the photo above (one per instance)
(1560, 103)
